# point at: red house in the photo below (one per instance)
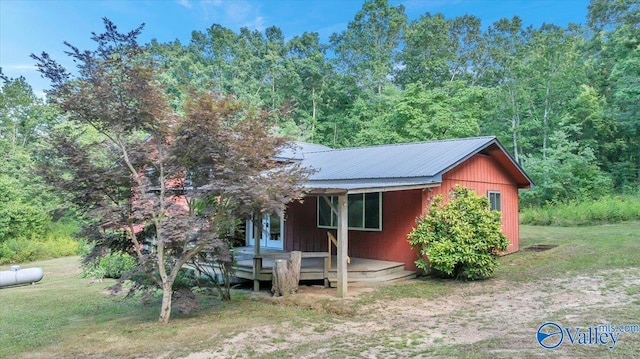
(369, 197)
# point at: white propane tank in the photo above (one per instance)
(20, 276)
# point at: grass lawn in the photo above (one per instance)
(592, 277)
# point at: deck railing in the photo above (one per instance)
(332, 240)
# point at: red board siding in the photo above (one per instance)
(400, 209)
(483, 174)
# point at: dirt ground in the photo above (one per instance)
(492, 317)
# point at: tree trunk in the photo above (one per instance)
(167, 294)
(545, 122)
(515, 124)
(313, 113)
(286, 275)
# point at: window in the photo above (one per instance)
(495, 203)
(365, 212)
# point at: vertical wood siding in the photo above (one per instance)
(400, 210)
(483, 174)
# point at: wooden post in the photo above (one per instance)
(286, 275)
(329, 249)
(257, 268)
(343, 245)
(326, 265)
(295, 264)
(257, 264)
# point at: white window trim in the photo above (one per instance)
(489, 193)
(379, 229)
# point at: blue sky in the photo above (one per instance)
(33, 26)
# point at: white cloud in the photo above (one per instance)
(21, 67)
(185, 3)
(233, 14)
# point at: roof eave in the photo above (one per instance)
(494, 141)
(369, 185)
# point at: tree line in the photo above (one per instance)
(563, 100)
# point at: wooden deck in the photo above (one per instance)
(315, 266)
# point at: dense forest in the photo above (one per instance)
(565, 101)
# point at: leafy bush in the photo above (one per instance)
(116, 264)
(608, 209)
(28, 234)
(460, 239)
(186, 278)
(113, 265)
(22, 215)
(20, 250)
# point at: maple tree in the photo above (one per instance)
(162, 183)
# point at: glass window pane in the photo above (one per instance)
(356, 206)
(324, 213)
(274, 227)
(372, 210)
(494, 201)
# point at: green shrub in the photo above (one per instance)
(112, 265)
(21, 250)
(460, 239)
(116, 264)
(93, 270)
(608, 209)
(52, 240)
(186, 278)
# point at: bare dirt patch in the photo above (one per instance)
(539, 247)
(406, 327)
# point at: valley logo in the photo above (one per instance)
(551, 335)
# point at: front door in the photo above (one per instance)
(269, 233)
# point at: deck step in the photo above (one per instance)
(388, 278)
(372, 273)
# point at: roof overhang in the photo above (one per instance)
(354, 186)
(495, 149)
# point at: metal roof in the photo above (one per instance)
(297, 150)
(397, 166)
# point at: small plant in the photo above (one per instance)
(116, 264)
(460, 239)
(113, 265)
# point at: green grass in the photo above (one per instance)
(609, 209)
(65, 315)
(580, 250)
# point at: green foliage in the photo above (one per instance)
(608, 209)
(568, 173)
(116, 264)
(20, 250)
(112, 265)
(453, 111)
(186, 278)
(367, 48)
(21, 220)
(57, 240)
(27, 228)
(460, 239)
(390, 81)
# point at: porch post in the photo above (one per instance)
(257, 262)
(343, 245)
